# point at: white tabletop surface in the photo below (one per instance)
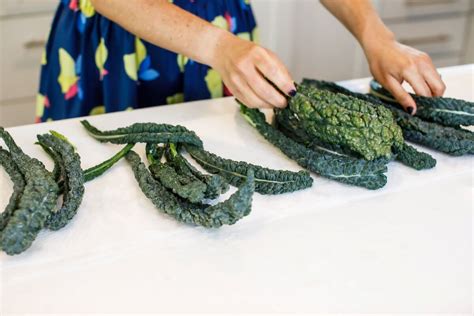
(331, 248)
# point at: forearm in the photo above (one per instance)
(361, 19)
(166, 25)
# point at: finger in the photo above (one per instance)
(264, 89)
(405, 100)
(242, 91)
(274, 70)
(434, 81)
(417, 82)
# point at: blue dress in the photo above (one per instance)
(91, 65)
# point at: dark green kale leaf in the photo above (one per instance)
(413, 158)
(215, 184)
(56, 159)
(35, 205)
(185, 187)
(97, 170)
(445, 111)
(73, 179)
(224, 213)
(145, 133)
(154, 152)
(452, 141)
(7, 162)
(349, 170)
(342, 120)
(267, 181)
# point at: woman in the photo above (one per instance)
(114, 55)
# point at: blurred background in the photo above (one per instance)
(307, 38)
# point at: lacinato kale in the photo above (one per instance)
(7, 162)
(72, 176)
(183, 186)
(367, 174)
(223, 213)
(35, 204)
(338, 119)
(145, 133)
(452, 141)
(445, 111)
(267, 181)
(409, 156)
(215, 184)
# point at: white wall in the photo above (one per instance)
(310, 41)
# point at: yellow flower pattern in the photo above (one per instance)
(97, 110)
(101, 54)
(214, 83)
(175, 98)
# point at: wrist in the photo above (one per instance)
(376, 34)
(214, 47)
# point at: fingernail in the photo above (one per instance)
(292, 93)
(410, 110)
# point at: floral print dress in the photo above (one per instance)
(92, 65)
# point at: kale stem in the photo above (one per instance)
(173, 150)
(95, 171)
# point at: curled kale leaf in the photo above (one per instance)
(349, 170)
(224, 213)
(7, 162)
(339, 119)
(445, 111)
(267, 181)
(145, 133)
(453, 141)
(182, 185)
(35, 205)
(72, 176)
(215, 184)
(413, 158)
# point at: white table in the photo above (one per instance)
(330, 248)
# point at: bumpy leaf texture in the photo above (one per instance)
(215, 184)
(7, 162)
(445, 111)
(211, 216)
(35, 205)
(452, 141)
(186, 187)
(145, 133)
(406, 154)
(73, 179)
(359, 172)
(342, 120)
(267, 181)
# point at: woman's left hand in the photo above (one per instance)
(392, 63)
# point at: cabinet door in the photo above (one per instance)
(14, 7)
(23, 40)
(437, 36)
(404, 9)
(18, 112)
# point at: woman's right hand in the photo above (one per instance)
(244, 66)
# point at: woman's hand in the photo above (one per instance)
(244, 66)
(392, 63)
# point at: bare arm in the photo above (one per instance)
(242, 64)
(390, 62)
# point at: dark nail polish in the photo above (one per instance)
(410, 110)
(292, 93)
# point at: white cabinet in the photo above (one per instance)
(23, 41)
(18, 7)
(24, 28)
(312, 43)
(408, 9)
